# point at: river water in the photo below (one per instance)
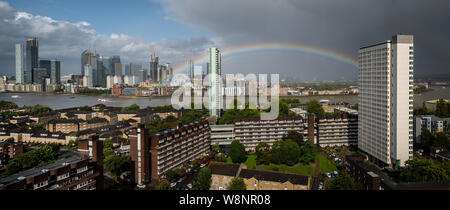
(56, 101)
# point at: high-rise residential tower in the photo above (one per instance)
(215, 90)
(20, 63)
(385, 129)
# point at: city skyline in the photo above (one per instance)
(190, 30)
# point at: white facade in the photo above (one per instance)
(87, 82)
(385, 100)
(129, 80)
(109, 81)
(20, 63)
(215, 90)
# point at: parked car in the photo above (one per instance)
(202, 165)
(172, 185)
(189, 186)
(180, 180)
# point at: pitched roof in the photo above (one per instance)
(224, 169)
(274, 176)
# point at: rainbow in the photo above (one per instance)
(277, 47)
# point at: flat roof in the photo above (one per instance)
(66, 157)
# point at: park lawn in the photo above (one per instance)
(299, 168)
(326, 165)
(250, 162)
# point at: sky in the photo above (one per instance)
(180, 30)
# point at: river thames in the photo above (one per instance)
(61, 101)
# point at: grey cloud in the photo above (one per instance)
(341, 26)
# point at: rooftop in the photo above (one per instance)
(274, 176)
(66, 157)
(224, 169)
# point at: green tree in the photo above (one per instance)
(220, 157)
(237, 183)
(314, 107)
(33, 158)
(422, 169)
(133, 107)
(215, 148)
(72, 145)
(116, 164)
(85, 108)
(170, 175)
(163, 186)
(344, 182)
(108, 148)
(442, 109)
(237, 152)
(441, 140)
(286, 152)
(294, 136)
(308, 152)
(170, 118)
(263, 151)
(38, 127)
(204, 180)
(6, 105)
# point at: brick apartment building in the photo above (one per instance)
(337, 130)
(82, 170)
(222, 174)
(252, 131)
(9, 151)
(74, 125)
(373, 179)
(154, 154)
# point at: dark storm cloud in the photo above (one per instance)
(65, 41)
(338, 25)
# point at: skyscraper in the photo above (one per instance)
(154, 60)
(215, 90)
(385, 128)
(46, 64)
(142, 75)
(88, 75)
(39, 73)
(20, 63)
(116, 66)
(118, 69)
(55, 72)
(32, 59)
(85, 59)
(190, 69)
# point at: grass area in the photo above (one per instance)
(250, 162)
(299, 168)
(326, 165)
